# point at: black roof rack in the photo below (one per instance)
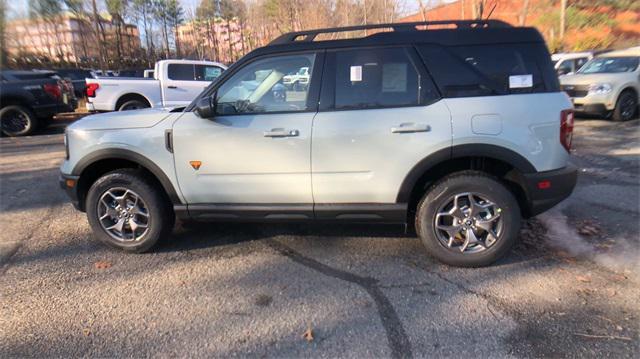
(310, 35)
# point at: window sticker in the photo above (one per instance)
(520, 81)
(394, 77)
(356, 73)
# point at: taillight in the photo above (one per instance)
(53, 90)
(566, 129)
(91, 89)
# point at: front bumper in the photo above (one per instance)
(591, 109)
(69, 184)
(546, 189)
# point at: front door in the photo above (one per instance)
(256, 149)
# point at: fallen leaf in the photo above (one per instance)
(86, 332)
(583, 279)
(102, 264)
(308, 335)
(612, 292)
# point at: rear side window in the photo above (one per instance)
(484, 70)
(369, 78)
(180, 72)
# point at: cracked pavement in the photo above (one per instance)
(365, 291)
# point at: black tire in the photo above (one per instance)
(133, 105)
(161, 216)
(17, 120)
(441, 193)
(626, 107)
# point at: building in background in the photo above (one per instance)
(218, 40)
(588, 25)
(68, 39)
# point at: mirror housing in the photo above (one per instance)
(206, 106)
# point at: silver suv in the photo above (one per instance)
(459, 132)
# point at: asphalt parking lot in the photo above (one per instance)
(569, 289)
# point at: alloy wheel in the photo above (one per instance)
(123, 214)
(468, 223)
(15, 121)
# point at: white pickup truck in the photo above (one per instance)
(175, 83)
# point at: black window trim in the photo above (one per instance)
(327, 92)
(312, 95)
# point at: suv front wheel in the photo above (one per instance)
(468, 219)
(128, 212)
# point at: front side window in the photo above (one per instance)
(603, 65)
(207, 72)
(375, 78)
(260, 87)
(183, 72)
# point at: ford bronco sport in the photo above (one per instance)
(461, 131)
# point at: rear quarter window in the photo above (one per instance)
(485, 70)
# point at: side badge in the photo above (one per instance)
(195, 164)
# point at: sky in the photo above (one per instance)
(18, 8)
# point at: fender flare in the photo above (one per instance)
(119, 153)
(127, 93)
(459, 151)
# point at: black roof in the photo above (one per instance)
(465, 32)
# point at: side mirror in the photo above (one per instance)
(206, 106)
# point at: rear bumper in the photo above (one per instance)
(71, 191)
(546, 189)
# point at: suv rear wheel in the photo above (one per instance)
(626, 107)
(127, 212)
(17, 120)
(468, 219)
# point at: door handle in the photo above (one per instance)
(409, 127)
(172, 87)
(281, 132)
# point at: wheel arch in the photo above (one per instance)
(96, 164)
(131, 96)
(498, 161)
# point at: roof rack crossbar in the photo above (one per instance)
(310, 35)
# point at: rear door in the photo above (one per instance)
(186, 81)
(380, 114)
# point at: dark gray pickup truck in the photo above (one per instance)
(29, 99)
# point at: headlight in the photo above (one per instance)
(599, 89)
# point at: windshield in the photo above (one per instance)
(602, 65)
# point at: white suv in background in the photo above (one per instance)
(459, 132)
(607, 85)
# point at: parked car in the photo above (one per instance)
(175, 83)
(459, 131)
(608, 85)
(131, 73)
(566, 63)
(29, 99)
(100, 73)
(77, 78)
(297, 80)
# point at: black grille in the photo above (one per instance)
(576, 90)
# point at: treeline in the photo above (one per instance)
(255, 23)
